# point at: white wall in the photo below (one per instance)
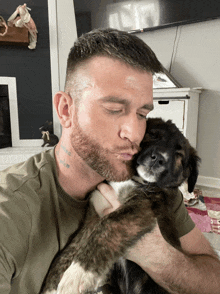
(62, 36)
(66, 35)
(196, 63)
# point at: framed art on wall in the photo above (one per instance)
(164, 80)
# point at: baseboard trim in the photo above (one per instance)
(208, 182)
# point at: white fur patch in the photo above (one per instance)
(118, 186)
(146, 175)
(165, 155)
(51, 292)
(77, 281)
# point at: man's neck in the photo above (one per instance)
(75, 176)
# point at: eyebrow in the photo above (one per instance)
(113, 99)
(148, 106)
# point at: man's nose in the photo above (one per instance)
(133, 129)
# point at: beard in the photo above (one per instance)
(96, 156)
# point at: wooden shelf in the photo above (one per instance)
(15, 36)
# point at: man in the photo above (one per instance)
(108, 94)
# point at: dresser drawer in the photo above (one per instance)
(170, 109)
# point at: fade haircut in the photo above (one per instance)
(111, 43)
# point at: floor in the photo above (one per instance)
(213, 238)
(210, 192)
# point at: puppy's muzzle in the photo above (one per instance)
(154, 159)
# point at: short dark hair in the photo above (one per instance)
(116, 44)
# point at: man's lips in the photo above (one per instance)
(124, 153)
(126, 156)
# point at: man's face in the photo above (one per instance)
(109, 121)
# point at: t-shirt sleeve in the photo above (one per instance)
(6, 270)
(15, 229)
(183, 221)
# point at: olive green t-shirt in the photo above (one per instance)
(36, 219)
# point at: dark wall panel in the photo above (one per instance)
(31, 69)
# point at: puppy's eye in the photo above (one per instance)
(179, 147)
(154, 134)
(180, 153)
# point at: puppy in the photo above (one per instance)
(166, 160)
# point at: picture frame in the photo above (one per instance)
(164, 80)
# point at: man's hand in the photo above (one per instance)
(105, 199)
(150, 249)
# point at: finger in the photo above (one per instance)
(99, 202)
(110, 195)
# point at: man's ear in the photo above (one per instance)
(63, 104)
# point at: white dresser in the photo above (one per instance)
(181, 106)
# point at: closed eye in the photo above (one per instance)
(180, 153)
(114, 111)
(179, 147)
(142, 116)
(119, 111)
(154, 134)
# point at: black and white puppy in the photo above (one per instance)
(164, 163)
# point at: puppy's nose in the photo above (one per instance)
(157, 159)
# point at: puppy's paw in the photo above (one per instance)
(76, 280)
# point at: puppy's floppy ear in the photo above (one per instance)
(194, 160)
